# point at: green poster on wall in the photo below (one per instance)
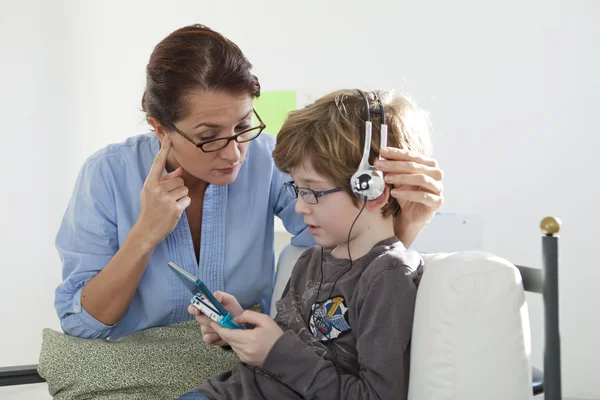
(273, 107)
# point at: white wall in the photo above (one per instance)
(33, 124)
(513, 88)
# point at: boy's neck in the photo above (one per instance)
(372, 232)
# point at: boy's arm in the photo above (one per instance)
(383, 333)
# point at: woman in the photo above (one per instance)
(200, 190)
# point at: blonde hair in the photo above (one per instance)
(330, 134)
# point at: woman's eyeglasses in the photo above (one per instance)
(211, 145)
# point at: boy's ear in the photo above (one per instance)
(381, 201)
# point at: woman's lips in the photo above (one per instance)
(227, 171)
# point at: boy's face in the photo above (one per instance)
(329, 220)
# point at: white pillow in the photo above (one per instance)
(471, 337)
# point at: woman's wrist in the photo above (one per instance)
(407, 231)
(138, 237)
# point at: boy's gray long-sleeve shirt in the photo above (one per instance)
(364, 323)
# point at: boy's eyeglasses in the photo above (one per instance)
(308, 195)
(211, 145)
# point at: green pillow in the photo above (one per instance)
(155, 363)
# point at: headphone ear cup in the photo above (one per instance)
(368, 184)
(362, 182)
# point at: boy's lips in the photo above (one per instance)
(312, 228)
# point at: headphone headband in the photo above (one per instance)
(367, 182)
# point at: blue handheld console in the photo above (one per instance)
(203, 298)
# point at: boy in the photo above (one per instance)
(344, 322)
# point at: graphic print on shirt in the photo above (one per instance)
(328, 319)
(289, 314)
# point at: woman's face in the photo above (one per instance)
(212, 115)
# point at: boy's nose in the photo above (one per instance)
(302, 207)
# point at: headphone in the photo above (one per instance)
(367, 182)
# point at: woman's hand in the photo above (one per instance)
(162, 200)
(209, 335)
(251, 345)
(418, 187)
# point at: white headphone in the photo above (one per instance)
(367, 182)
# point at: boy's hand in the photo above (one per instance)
(208, 334)
(251, 345)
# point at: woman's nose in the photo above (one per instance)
(231, 152)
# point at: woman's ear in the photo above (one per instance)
(157, 127)
(381, 201)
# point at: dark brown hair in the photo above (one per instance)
(190, 59)
(330, 134)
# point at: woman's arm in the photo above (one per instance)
(407, 231)
(284, 205)
(101, 278)
(87, 241)
(107, 295)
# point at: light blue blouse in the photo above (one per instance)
(236, 253)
